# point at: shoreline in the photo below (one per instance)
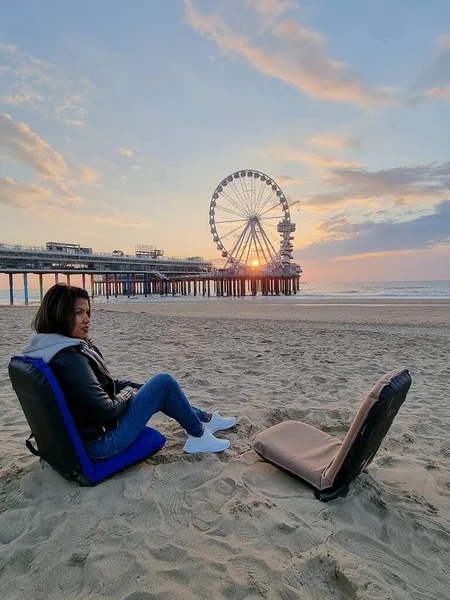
(376, 312)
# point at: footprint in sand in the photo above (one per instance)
(319, 575)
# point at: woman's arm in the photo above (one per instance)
(123, 383)
(79, 382)
(119, 383)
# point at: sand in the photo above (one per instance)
(230, 525)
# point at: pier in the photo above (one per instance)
(146, 274)
(220, 284)
(130, 285)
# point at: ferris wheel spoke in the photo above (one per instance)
(266, 192)
(268, 218)
(262, 248)
(233, 221)
(266, 202)
(244, 244)
(243, 193)
(231, 232)
(231, 211)
(241, 196)
(256, 193)
(273, 232)
(259, 196)
(268, 242)
(262, 197)
(236, 248)
(274, 239)
(241, 209)
(262, 190)
(249, 247)
(265, 234)
(253, 188)
(273, 207)
(241, 249)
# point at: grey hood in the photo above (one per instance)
(46, 345)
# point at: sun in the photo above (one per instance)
(255, 263)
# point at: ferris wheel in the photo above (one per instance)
(250, 221)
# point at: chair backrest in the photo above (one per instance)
(48, 416)
(368, 429)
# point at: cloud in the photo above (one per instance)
(22, 195)
(120, 219)
(39, 85)
(268, 10)
(435, 78)
(327, 162)
(400, 186)
(20, 144)
(347, 239)
(55, 199)
(126, 152)
(272, 8)
(290, 154)
(287, 180)
(74, 122)
(85, 175)
(438, 93)
(334, 142)
(24, 96)
(294, 54)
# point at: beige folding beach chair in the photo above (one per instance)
(324, 462)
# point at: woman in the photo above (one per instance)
(110, 413)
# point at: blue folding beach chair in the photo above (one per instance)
(52, 426)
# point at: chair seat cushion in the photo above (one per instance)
(298, 448)
(147, 443)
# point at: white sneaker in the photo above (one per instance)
(206, 443)
(218, 423)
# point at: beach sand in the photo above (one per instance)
(230, 525)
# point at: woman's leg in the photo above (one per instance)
(161, 393)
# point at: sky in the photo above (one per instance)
(119, 119)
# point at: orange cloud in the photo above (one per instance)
(126, 152)
(438, 93)
(290, 154)
(378, 254)
(298, 58)
(287, 180)
(334, 142)
(19, 143)
(22, 195)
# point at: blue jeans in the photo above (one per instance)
(161, 393)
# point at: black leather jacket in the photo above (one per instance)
(95, 400)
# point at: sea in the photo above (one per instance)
(339, 291)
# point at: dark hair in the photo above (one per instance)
(56, 313)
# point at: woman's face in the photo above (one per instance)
(82, 319)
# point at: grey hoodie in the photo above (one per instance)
(46, 345)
